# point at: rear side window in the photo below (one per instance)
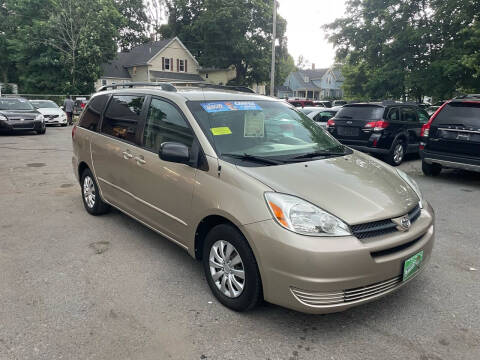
(122, 117)
(361, 112)
(460, 113)
(423, 116)
(91, 116)
(394, 115)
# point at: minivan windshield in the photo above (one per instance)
(267, 132)
(360, 112)
(15, 104)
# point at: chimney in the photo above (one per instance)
(313, 66)
(153, 37)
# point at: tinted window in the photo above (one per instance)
(122, 117)
(164, 124)
(324, 116)
(460, 113)
(91, 116)
(409, 115)
(361, 112)
(394, 115)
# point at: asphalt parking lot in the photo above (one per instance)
(73, 286)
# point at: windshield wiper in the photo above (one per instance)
(254, 158)
(318, 154)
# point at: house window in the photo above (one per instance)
(306, 79)
(104, 82)
(181, 66)
(167, 64)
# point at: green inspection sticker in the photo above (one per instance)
(412, 265)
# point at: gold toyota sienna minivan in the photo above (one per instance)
(273, 205)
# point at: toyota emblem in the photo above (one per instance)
(405, 223)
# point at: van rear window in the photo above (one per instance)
(460, 113)
(360, 112)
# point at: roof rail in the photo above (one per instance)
(128, 85)
(204, 85)
(469, 96)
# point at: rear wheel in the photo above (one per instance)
(42, 131)
(91, 196)
(231, 269)
(395, 158)
(431, 169)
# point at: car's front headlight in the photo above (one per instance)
(303, 218)
(413, 184)
(39, 117)
(3, 118)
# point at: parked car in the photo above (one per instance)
(451, 139)
(234, 179)
(389, 129)
(301, 103)
(79, 105)
(308, 109)
(51, 112)
(339, 103)
(17, 114)
(321, 116)
(324, 103)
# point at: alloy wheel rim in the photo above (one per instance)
(398, 153)
(227, 269)
(89, 191)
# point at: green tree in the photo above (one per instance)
(59, 45)
(397, 48)
(135, 29)
(7, 66)
(221, 33)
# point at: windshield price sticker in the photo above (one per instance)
(254, 124)
(222, 106)
(225, 130)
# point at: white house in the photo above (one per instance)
(166, 60)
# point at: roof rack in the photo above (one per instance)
(128, 85)
(204, 85)
(172, 86)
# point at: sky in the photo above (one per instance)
(304, 28)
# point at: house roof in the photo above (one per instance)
(284, 88)
(312, 75)
(140, 55)
(175, 76)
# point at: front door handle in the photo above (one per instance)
(127, 155)
(140, 160)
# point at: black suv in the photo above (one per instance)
(390, 129)
(451, 138)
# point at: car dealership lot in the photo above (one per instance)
(77, 286)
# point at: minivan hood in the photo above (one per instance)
(50, 111)
(356, 188)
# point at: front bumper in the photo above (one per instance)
(451, 160)
(56, 121)
(324, 275)
(17, 125)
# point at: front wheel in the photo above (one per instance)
(42, 131)
(91, 196)
(231, 269)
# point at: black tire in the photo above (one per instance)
(64, 125)
(97, 206)
(431, 169)
(42, 131)
(252, 290)
(393, 158)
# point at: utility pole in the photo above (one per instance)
(274, 36)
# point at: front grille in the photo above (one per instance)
(319, 299)
(52, 116)
(382, 227)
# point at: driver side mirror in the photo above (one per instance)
(174, 152)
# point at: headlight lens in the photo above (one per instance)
(303, 218)
(413, 184)
(39, 117)
(3, 117)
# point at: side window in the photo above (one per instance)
(165, 124)
(122, 117)
(91, 115)
(394, 114)
(423, 116)
(409, 115)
